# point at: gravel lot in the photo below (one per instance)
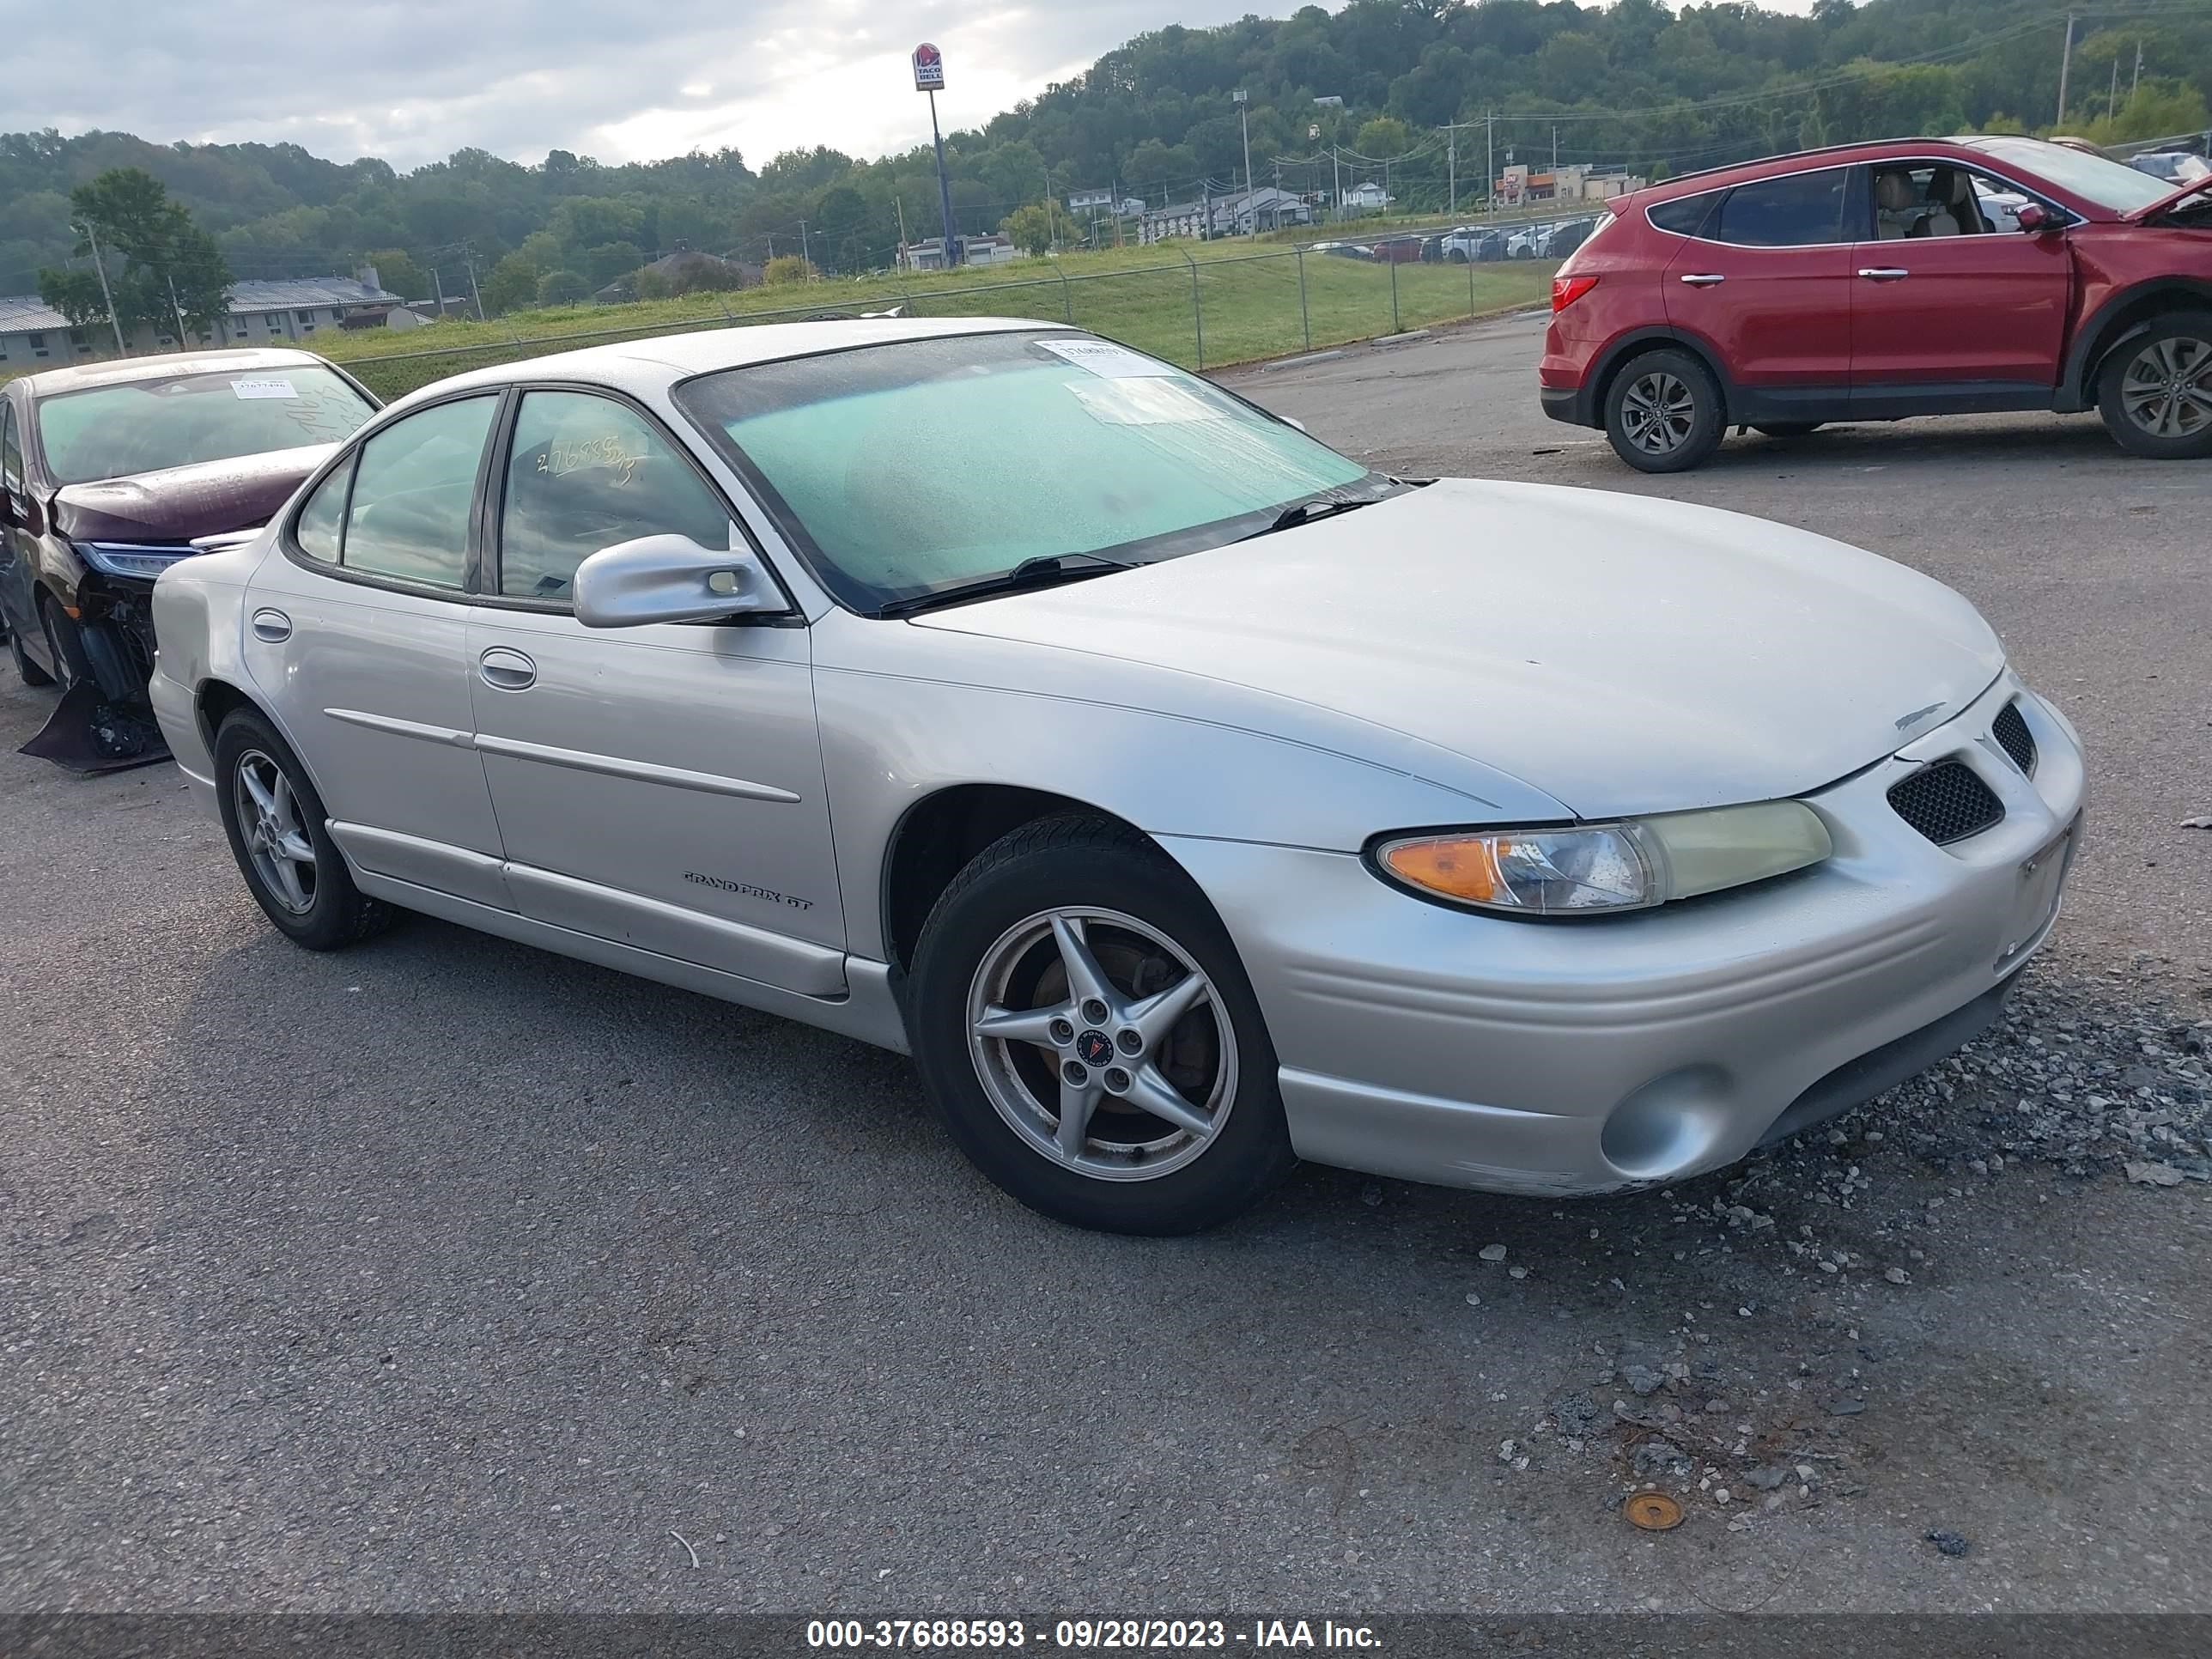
(448, 1274)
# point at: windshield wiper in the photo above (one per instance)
(1314, 506)
(1043, 571)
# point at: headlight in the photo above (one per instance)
(129, 559)
(1611, 866)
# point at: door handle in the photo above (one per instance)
(1885, 274)
(273, 626)
(507, 671)
(1706, 279)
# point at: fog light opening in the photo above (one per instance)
(1669, 1126)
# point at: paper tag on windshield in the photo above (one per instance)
(262, 387)
(1104, 358)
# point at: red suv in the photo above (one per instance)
(1875, 282)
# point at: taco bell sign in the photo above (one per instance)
(928, 68)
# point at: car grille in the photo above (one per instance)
(2013, 736)
(1947, 802)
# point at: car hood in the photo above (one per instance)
(180, 502)
(1622, 655)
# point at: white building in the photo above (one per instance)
(1367, 198)
(35, 336)
(996, 249)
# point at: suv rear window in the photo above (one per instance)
(1685, 215)
(1799, 209)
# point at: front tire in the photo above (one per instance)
(276, 824)
(1664, 412)
(2155, 392)
(27, 670)
(1086, 1030)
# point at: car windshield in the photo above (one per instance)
(115, 431)
(907, 469)
(2108, 184)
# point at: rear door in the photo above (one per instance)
(1767, 279)
(357, 635)
(1954, 307)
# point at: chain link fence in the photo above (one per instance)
(1201, 313)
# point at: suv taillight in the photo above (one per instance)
(1566, 290)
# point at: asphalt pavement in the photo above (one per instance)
(444, 1273)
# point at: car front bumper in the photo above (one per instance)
(1596, 1055)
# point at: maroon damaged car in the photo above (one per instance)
(109, 474)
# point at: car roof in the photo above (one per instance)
(75, 377)
(639, 365)
(1883, 150)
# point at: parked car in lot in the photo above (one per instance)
(109, 471)
(1526, 243)
(1397, 250)
(1473, 244)
(2175, 166)
(1131, 782)
(1867, 283)
(1564, 238)
(1342, 250)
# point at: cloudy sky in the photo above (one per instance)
(413, 80)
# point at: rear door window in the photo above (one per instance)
(414, 492)
(1800, 210)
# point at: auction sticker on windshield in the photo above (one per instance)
(1103, 357)
(263, 387)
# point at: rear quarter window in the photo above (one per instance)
(1687, 216)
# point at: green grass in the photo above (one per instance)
(1248, 307)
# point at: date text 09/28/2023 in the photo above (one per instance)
(1088, 1635)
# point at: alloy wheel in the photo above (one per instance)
(283, 853)
(1658, 412)
(1102, 1044)
(2168, 389)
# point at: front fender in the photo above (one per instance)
(892, 740)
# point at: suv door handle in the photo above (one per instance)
(272, 626)
(507, 671)
(1885, 273)
(1704, 279)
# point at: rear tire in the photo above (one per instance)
(1664, 412)
(2155, 393)
(1181, 1125)
(275, 821)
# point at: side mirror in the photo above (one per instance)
(2033, 219)
(670, 579)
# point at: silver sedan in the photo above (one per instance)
(1185, 797)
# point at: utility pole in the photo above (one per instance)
(469, 259)
(2112, 97)
(113, 321)
(2136, 85)
(900, 203)
(1244, 121)
(1451, 166)
(176, 307)
(1337, 160)
(1490, 146)
(2065, 66)
(804, 258)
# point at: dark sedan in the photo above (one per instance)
(109, 473)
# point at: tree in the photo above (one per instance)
(513, 283)
(562, 288)
(786, 268)
(160, 265)
(1030, 227)
(1385, 138)
(397, 271)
